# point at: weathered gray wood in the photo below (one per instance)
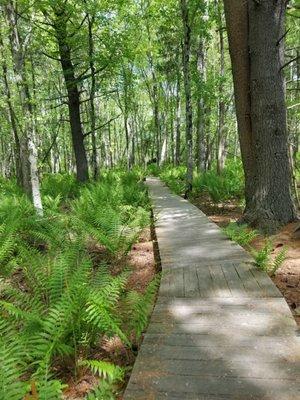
(191, 285)
(274, 389)
(220, 328)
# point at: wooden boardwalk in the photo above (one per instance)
(220, 328)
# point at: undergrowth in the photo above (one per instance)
(59, 293)
(229, 184)
(244, 235)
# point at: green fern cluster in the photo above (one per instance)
(240, 233)
(55, 303)
(263, 258)
(244, 236)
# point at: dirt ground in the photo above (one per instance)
(142, 264)
(287, 278)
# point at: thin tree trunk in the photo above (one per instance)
(187, 90)
(95, 168)
(28, 152)
(221, 142)
(12, 120)
(60, 26)
(178, 121)
(201, 54)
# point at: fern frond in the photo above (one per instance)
(278, 261)
(104, 369)
(140, 306)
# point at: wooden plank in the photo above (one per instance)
(191, 288)
(265, 282)
(215, 368)
(176, 283)
(205, 282)
(258, 388)
(234, 282)
(220, 285)
(229, 354)
(249, 282)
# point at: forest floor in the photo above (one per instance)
(141, 262)
(287, 278)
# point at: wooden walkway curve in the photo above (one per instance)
(220, 328)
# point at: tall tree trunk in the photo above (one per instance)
(28, 152)
(12, 120)
(236, 13)
(256, 32)
(221, 142)
(272, 203)
(187, 89)
(95, 168)
(60, 26)
(201, 54)
(178, 121)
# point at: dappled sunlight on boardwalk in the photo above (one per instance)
(220, 328)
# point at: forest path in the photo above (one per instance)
(220, 328)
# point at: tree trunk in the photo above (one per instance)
(236, 13)
(201, 54)
(187, 90)
(272, 203)
(221, 136)
(28, 152)
(12, 121)
(178, 121)
(60, 26)
(255, 32)
(95, 169)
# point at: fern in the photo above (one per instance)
(240, 233)
(111, 375)
(55, 303)
(104, 369)
(11, 369)
(140, 306)
(262, 256)
(278, 261)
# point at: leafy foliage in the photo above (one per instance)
(55, 301)
(278, 261)
(230, 184)
(240, 233)
(262, 256)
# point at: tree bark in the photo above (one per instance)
(255, 33)
(60, 26)
(12, 120)
(272, 204)
(236, 14)
(221, 136)
(28, 152)
(95, 168)
(201, 68)
(178, 121)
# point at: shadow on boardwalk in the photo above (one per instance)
(220, 328)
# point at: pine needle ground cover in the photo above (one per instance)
(64, 285)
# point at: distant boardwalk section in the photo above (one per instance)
(220, 329)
